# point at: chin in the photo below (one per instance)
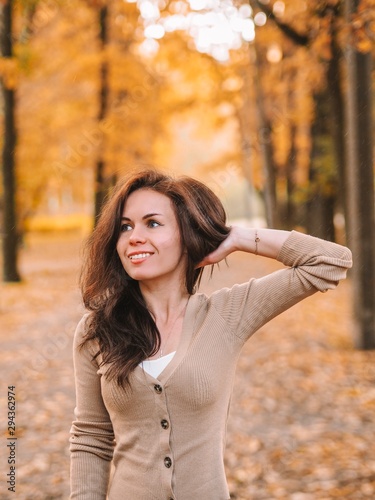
(141, 276)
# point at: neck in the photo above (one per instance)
(164, 303)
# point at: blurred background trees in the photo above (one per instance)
(10, 243)
(268, 102)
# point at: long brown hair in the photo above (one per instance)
(120, 322)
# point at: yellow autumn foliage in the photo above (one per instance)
(153, 100)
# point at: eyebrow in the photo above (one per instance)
(147, 216)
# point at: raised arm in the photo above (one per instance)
(312, 265)
(265, 242)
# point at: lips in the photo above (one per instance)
(139, 256)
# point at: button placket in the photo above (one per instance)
(165, 429)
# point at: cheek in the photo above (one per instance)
(173, 245)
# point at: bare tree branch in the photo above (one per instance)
(298, 38)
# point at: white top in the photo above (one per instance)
(154, 367)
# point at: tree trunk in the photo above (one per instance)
(361, 187)
(321, 203)
(100, 182)
(291, 216)
(320, 212)
(253, 210)
(337, 121)
(265, 143)
(10, 235)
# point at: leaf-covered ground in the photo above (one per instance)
(301, 425)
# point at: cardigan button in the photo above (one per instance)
(167, 462)
(158, 388)
(164, 423)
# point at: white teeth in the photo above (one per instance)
(139, 256)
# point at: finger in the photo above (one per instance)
(202, 263)
(211, 258)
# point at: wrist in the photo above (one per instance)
(256, 241)
(235, 238)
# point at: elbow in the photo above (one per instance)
(99, 448)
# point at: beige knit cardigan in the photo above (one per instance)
(167, 436)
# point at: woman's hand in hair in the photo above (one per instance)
(226, 247)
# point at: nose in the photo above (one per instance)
(137, 236)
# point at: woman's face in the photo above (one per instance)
(149, 244)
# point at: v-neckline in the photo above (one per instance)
(183, 345)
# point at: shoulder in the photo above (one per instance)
(81, 329)
(225, 297)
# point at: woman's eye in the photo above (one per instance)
(125, 227)
(153, 223)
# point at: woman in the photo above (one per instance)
(154, 361)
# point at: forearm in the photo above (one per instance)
(265, 242)
(272, 243)
(91, 434)
(89, 477)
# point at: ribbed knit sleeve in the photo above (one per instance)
(321, 263)
(313, 265)
(92, 439)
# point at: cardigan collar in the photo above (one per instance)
(185, 340)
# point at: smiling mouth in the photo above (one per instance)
(138, 256)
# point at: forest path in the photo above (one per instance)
(301, 424)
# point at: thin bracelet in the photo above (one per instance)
(257, 240)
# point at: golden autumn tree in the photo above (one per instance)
(265, 104)
(58, 139)
(10, 234)
(342, 130)
(12, 65)
(127, 95)
(306, 40)
(136, 109)
(102, 13)
(360, 39)
(69, 130)
(202, 87)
